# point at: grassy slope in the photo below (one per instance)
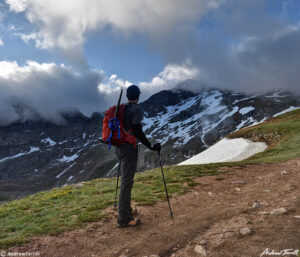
(70, 207)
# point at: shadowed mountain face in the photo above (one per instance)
(38, 155)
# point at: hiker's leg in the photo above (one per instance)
(128, 168)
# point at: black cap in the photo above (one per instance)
(133, 92)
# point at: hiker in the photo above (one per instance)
(127, 155)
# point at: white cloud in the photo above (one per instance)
(1, 42)
(113, 84)
(17, 5)
(63, 24)
(27, 37)
(170, 77)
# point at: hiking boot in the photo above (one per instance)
(132, 223)
(133, 211)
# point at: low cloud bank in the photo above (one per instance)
(47, 90)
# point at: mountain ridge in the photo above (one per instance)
(39, 155)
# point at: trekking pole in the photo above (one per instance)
(115, 205)
(163, 176)
(118, 105)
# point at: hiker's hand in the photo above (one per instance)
(156, 147)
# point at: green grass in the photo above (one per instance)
(69, 207)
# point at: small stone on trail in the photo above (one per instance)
(292, 209)
(203, 242)
(267, 191)
(263, 213)
(279, 211)
(239, 182)
(238, 189)
(297, 216)
(154, 255)
(259, 177)
(244, 211)
(284, 172)
(245, 231)
(210, 193)
(265, 203)
(256, 205)
(200, 250)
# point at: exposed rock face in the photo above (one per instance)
(38, 155)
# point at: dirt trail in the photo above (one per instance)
(214, 211)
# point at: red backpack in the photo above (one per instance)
(113, 130)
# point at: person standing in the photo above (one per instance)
(127, 155)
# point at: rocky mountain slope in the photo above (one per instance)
(38, 155)
(187, 123)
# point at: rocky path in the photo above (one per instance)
(240, 213)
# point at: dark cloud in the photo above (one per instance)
(243, 45)
(47, 90)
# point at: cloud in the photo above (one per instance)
(47, 90)
(65, 24)
(26, 37)
(234, 44)
(1, 42)
(17, 5)
(254, 64)
(171, 76)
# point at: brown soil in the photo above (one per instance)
(214, 211)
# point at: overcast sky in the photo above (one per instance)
(62, 55)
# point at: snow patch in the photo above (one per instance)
(32, 150)
(62, 142)
(68, 158)
(113, 168)
(227, 150)
(70, 178)
(245, 110)
(48, 141)
(275, 95)
(291, 108)
(64, 171)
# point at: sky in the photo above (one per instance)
(62, 55)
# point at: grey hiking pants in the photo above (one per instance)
(127, 156)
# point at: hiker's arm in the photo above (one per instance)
(139, 134)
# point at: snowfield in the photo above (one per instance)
(227, 150)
